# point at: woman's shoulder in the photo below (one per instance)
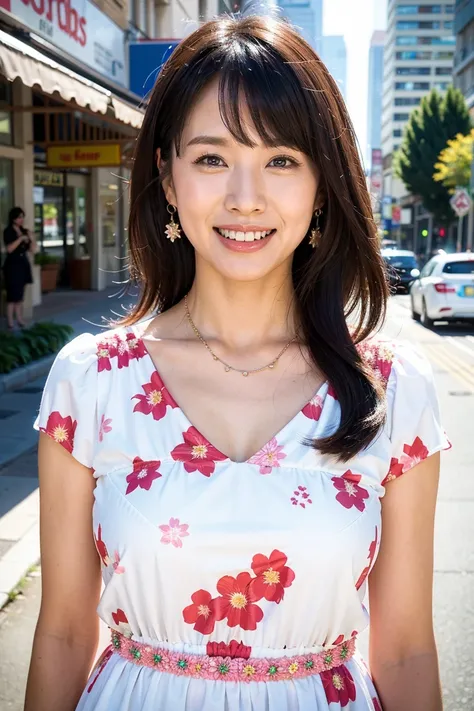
(87, 349)
(394, 359)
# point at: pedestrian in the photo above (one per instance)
(19, 242)
(229, 451)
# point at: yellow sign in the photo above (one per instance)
(83, 156)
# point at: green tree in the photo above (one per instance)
(430, 126)
(453, 168)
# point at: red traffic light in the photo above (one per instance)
(442, 232)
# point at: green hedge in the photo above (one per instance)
(38, 341)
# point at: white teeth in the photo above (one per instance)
(243, 236)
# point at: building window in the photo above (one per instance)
(443, 55)
(448, 25)
(429, 9)
(413, 55)
(6, 190)
(418, 9)
(413, 71)
(443, 71)
(441, 85)
(397, 133)
(401, 117)
(449, 8)
(412, 85)
(6, 125)
(437, 40)
(405, 101)
(415, 25)
(409, 39)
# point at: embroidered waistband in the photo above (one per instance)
(204, 666)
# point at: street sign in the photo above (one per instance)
(461, 202)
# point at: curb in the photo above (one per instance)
(26, 374)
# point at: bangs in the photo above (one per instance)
(252, 74)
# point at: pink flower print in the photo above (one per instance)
(314, 408)
(136, 347)
(116, 564)
(413, 455)
(197, 453)
(174, 532)
(143, 475)
(104, 427)
(121, 623)
(269, 456)
(351, 494)
(155, 400)
(371, 556)
(61, 429)
(301, 497)
(103, 357)
(376, 704)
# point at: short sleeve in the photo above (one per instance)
(9, 236)
(413, 416)
(68, 410)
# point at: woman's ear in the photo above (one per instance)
(166, 178)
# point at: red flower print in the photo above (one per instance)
(102, 548)
(136, 347)
(272, 576)
(143, 475)
(339, 640)
(197, 453)
(174, 532)
(61, 429)
(366, 571)
(121, 623)
(155, 400)
(103, 357)
(314, 408)
(236, 602)
(412, 455)
(301, 497)
(100, 666)
(268, 457)
(104, 427)
(351, 494)
(395, 470)
(379, 356)
(338, 685)
(376, 704)
(332, 393)
(201, 613)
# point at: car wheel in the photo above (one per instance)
(425, 319)
(414, 315)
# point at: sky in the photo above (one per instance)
(356, 21)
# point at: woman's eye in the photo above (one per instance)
(284, 162)
(210, 161)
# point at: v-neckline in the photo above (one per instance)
(277, 436)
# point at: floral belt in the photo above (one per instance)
(235, 664)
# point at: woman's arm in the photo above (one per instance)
(67, 631)
(11, 239)
(403, 656)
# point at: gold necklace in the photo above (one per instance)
(228, 367)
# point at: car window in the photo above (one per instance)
(428, 268)
(466, 267)
(401, 261)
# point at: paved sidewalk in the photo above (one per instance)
(19, 539)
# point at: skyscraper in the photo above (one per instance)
(374, 103)
(334, 56)
(307, 16)
(418, 56)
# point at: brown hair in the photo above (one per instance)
(292, 98)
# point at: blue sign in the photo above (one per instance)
(145, 62)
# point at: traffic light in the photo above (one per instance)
(442, 232)
(424, 233)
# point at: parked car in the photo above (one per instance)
(402, 267)
(444, 290)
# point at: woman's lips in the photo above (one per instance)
(237, 246)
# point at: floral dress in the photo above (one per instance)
(230, 586)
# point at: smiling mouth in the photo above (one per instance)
(246, 236)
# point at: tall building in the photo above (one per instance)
(464, 58)
(418, 56)
(374, 103)
(307, 16)
(334, 55)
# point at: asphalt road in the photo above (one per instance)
(451, 351)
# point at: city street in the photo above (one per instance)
(451, 351)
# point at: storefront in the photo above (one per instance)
(65, 143)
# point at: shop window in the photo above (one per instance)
(6, 190)
(6, 124)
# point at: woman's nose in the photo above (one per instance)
(245, 192)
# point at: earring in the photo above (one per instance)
(172, 228)
(315, 234)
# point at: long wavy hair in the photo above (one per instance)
(292, 98)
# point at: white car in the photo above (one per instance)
(444, 291)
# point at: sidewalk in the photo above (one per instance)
(19, 502)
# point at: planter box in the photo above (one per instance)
(49, 277)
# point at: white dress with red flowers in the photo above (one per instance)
(200, 553)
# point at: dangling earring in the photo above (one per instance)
(172, 229)
(315, 234)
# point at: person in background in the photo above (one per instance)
(16, 267)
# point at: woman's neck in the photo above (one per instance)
(240, 314)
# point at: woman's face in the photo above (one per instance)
(19, 220)
(229, 195)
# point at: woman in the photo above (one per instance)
(233, 454)
(16, 267)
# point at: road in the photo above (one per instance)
(451, 351)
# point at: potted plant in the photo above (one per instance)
(49, 270)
